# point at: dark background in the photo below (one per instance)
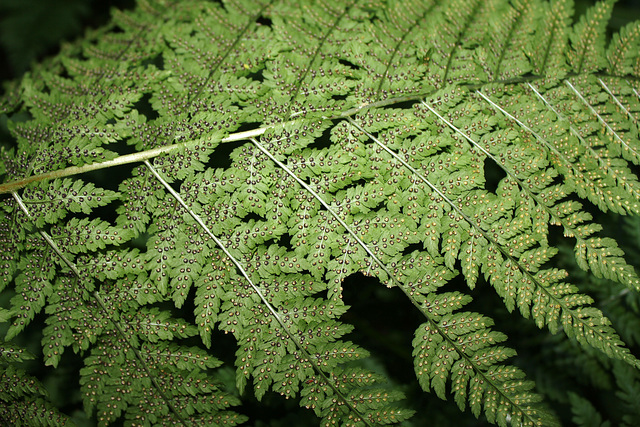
(31, 30)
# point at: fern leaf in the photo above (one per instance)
(453, 62)
(584, 413)
(505, 54)
(622, 52)
(629, 389)
(462, 349)
(265, 152)
(33, 286)
(72, 197)
(587, 38)
(23, 399)
(520, 408)
(548, 47)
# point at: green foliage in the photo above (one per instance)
(199, 169)
(23, 398)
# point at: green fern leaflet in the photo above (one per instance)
(201, 168)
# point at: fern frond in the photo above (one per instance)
(551, 39)
(587, 39)
(447, 150)
(505, 58)
(461, 348)
(629, 390)
(584, 414)
(521, 406)
(23, 399)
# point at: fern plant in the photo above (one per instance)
(197, 167)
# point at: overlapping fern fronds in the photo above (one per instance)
(201, 166)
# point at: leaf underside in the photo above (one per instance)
(255, 154)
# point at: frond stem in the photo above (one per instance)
(601, 120)
(100, 301)
(628, 358)
(392, 277)
(603, 164)
(316, 53)
(255, 288)
(11, 186)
